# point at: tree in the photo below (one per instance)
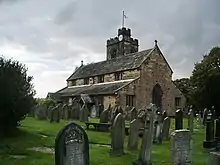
(45, 102)
(206, 80)
(16, 94)
(185, 86)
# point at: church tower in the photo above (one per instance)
(121, 45)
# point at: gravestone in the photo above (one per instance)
(65, 112)
(180, 151)
(104, 116)
(144, 157)
(204, 116)
(72, 146)
(84, 114)
(55, 115)
(157, 134)
(190, 121)
(93, 112)
(133, 114)
(166, 128)
(114, 114)
(117, 136)
(179, 119)
(209, 142)
(133, 135)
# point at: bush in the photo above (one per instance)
(16, 94)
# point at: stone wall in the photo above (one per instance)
(130, 74)
(127, 90)
(155, 70)
(109, 100)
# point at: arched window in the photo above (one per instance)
(157, 94)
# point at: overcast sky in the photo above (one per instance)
(52, 36)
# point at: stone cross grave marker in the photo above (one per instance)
(166, 128)
(118, 135)
(190, 121)
(72, 146)
(144, 157)
(180, 151)
(179, 119)
(133, 135)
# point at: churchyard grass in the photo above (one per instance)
(36, 133)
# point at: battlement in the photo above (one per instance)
(124, 31)
(112, 41)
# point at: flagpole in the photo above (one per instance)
(123, 18)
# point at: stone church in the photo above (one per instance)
(127, 77)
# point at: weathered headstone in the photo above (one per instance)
(55, 115)
(117, 136)
(104, 116)
(72, 146)
(166, 128)
(209, 142)
(84, 114)
(179, 119)
(144, 157)
(133, 135)
(180, 151)
(93, 112)
(127, 113)
(65, 112)
(190, 121)
(114, 114)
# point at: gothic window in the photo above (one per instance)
(130, 99)
(86, 81)
(101, 79)
(177, 101)
(118, 76)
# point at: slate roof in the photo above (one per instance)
(94, 89)
(128, 62)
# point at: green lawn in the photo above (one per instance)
(30, 135)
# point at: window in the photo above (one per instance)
(118, 76)
(86, 81)
(177, 101)
(130, 100)
(73, 82)
(101, 79)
